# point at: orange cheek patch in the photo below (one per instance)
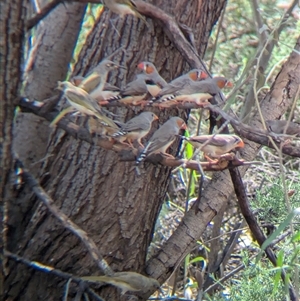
(149, 70)
(193, 76)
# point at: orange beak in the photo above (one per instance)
(229, 84)
(241, 144)
(184, 126)
(203, 75)
(155, 117)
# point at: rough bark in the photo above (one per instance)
(46, 63)
(276, 102)
(100, 194)
(43, 68)
(11, 58)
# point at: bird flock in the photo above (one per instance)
(88, 94)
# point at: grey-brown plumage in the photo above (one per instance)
(278, 127)
(123, 8)
(198, 91)
(127, 281)
(153, 79)
(162, 138)
(215, 145)
(95, 80)
(179, 82)
(134, 91)
(136, 128)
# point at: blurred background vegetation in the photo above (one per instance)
(231, 51)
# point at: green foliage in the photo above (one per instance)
(255, 282)
(270, 203)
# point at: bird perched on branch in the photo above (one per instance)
(134, 92)
(123, 8)
(136, 128)
(108, 91)
(199, 91)
(154, 82)
(81, 101)
(93, 83)
(279, 126)
(127, 281)
(215, 145)
(179, 83)
(162, 138)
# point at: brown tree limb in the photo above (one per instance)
(52, 271)
(66, 222)
(127, 153)
(42, 14)
(253, 224)
(256, 135)
(12, 20)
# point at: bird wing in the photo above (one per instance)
(159, 140)
(136, 124)
(136, 87)
(110, 87)
(79, 98)
(218, 141)
(91, 82)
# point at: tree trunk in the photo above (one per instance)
(45, 65)
(105, 197)
(11, 58)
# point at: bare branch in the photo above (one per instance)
(42, 14)
(125, 152)
(52, 271)
(67, 223)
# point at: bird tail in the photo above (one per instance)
(142, 18)
(118, 134)
(143, 154)
(117, 97)
(169, 97)
(106, 121)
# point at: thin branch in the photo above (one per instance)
(253, 224)
(52, 271)
(125, 152)
(42, 14)
(66, 222)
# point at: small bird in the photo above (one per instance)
(216, 145)
(95, 80)
(81, 101)
(123, 8)
(134, 92)
(109, 91)
(154, 81)
(199, 91)
(181, 81)
(177, 84)
(162, 138)
(278, 127)
(136, 128)
(127, 281)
